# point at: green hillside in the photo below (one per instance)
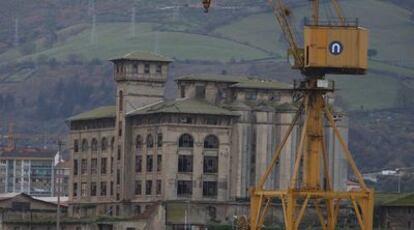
(252, 37)
(114, 39)
(391, 31)
(391, 35)
(367, 92)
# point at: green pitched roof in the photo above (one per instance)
(239, 81)
(187, 106)
(97, 113)
(142, 56)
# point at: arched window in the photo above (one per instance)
(84, 146)
(112, 143)
(104, 144)
(186, 141)
(94, 145)
(211, 142)
(150, 141)
(138, 142)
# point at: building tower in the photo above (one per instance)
(140, 79)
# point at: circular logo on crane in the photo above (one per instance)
(336, 48)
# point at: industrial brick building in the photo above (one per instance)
(204, 149)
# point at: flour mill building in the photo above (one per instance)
(206, 147)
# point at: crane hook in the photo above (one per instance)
(206, 5)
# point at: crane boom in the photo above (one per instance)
(282, 12)
(339, 12)
(315, 11)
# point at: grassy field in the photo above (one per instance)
(114, 39)
(391, 32)
(367, 92)
(254, 37)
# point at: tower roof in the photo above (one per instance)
(142, 56)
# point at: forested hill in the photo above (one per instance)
(53, 59)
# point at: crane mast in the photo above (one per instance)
(335, 48)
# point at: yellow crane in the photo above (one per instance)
(338, 47)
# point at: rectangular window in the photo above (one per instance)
(149, 163)
(118, 176)
(148, 187)
(251, 95)
(76, 146)
(119, 153)
(184, 188)
(121, 100)
(200, 91)
(120, 68)
(182, 91)
(137, 209)
(146, 68)
(158, 189)
(210, 164)
(159, 68)
(84, 166)
(83, 189)
(159, 163)
(185, 163)
(112, 165)
(103, 188)
(135, 68)
(159, 140)
(210, 188)
(138, 187)
(138, 164)
(93, 188)
(75, 189)
(75, 167)
(120, 128)
(103, 165)
(94, 166)
(111, 188)
(212, 121)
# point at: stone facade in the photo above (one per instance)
(209, 145)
